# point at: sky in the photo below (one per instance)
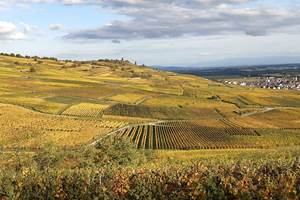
(155, 32)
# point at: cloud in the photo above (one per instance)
(9, 31)
(30, 29)
(2, 5)
(156, 19)
(116, 41)
(205, 54)
(55, 27)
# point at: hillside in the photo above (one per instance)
(72, 103)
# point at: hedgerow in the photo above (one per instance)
(243, 180)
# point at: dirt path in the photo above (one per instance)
(122, 129)
(258, 112)
(140, 101)
(109, 134)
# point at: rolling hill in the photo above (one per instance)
(75, 103)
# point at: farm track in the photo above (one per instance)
(109, 134)
(139, 102)
(258, 112)
(16, 151)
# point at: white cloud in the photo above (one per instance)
(2, 5)
(30, 29)
(156, 19)
(55, 27)
(116, 41)
(9, 31)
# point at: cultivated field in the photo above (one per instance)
(22, 128)
(109, 129)
(71, 104)
(86, 110)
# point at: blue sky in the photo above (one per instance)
(153, 32)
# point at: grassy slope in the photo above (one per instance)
(56, 84)
(136, 93)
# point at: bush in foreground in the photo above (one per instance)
(246, 180)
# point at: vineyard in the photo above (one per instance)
(246, 174)
(241, 181)
(110, 129)
(160, 112)
(130, 98)
(36, 129)
(86, 110)
(187, 135)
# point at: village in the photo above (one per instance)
(269, 82)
